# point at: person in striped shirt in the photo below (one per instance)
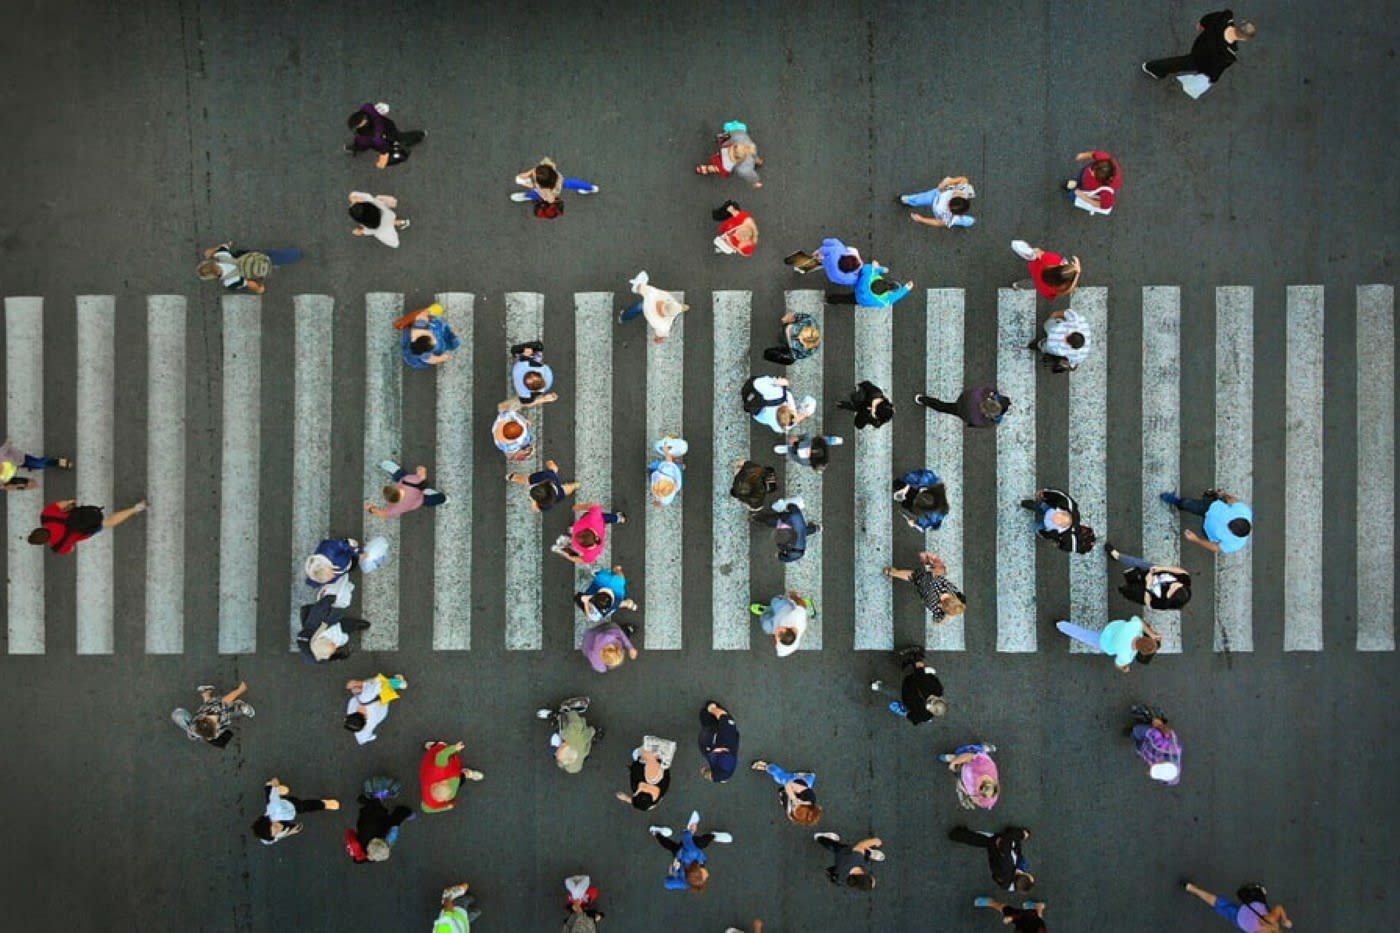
(1066, 339)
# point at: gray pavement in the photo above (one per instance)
(146, 131)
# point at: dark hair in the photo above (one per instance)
(880, 286)
(1024, 881)
(820, 454)
(364, 213)
(931, 499)
(422, 344)
(603, 600)
(1062, 274)
(784, 537)
(1075, 339)
(543, 493)
(643, 802)
(357, 120)
(1239, 527)
(546, 176)
(848, 263)
(861, 882)
(1102, 170)
(262, 828)
(958, 205)
(588, 537)
(39, 536)
(1176, 600)
(205, 729)
(355, 722)
(786, 636)
(533, 380)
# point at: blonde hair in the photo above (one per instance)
(952, 605)
(612, 655)
(440, 791)
(377, 850)
(809, 336)
(208, 270)
(663, 486)
(741, 151)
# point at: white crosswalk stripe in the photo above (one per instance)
(459, 532)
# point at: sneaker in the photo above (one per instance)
(694, 818)
(898, 708)
(593, 190)
(722, 837)
(1148, 71)
(660, 831)
(875, 855)
(1029, 504)
(244, 708)
(757, 608)
(1071, 185)
(1171, 499)
(1022, 285)
(389, 466)
(520, 197)
(813, 528)
(1111, 551)
(780, 449)
(921, 399)
(1211, 493)
(471, 775)
(454, 892)
(621, 517)
(988, 747)
(903, 199)
(403, 223)
(832, 836)
(543, 713)
(759, 765)
(981, 902)
(576, 704)
(348, 148)
(210, 687)
(946, 757)
(876, 685)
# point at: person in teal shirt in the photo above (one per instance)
(871, 289)
(1226, 521)
(1127, 640)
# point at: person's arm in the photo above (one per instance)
(960, 760)
(376, 511)
(1087, 198)
(232, 696)
(1202, 542)
(866, 845)
(1225, 497)
(1158, 568)
(952, 180)
(631, 649)
(926, 221)
(1279, 915)
(445, 754)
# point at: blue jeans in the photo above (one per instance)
(780, 776)
(922, 199)
(1080, 634)
(631, 311)
(570, 184)
(285, 256)
(1137, 563)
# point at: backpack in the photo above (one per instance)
(548, 210)
(753, 484)
(1078, 540)
(783, 356)
(253, 265)
(753, 400)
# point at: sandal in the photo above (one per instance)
(706, 170)
(889, 572)
(64, 463)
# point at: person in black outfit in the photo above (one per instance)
(1215, 49)
(376, 826)
(921, 693)
(1004, 854)
(719, 743)
(980, 406)
(849, 861)
(1028, 918)
(873, 409)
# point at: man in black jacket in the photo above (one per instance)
(1004, 855)
(1215, 49)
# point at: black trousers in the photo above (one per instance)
(937, 404)
(672, 846)
(1161, 67)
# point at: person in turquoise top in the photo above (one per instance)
(454, 919)
(1127, 640)
(871, 289)
(1226, 520)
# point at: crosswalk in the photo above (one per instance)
(727, 323)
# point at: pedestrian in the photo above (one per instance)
(922, 498)
(242, 269)
(1051, 274)
(427, 339)
(1155, 586)
(454, 919)
(920, 696)
(1096, 188)
(581, 898)
(649, 774)
(326, 631)
(666, 473)
(738, 231)
(941, 596)
(607, 646)
(660, 308)
(1252, 913)
(796, 792)
(605, 593)
(1127, 640)
(530, 376)
(785, 619)
(512, 433)
(809, 449)
(212, 720)
(374, 130)
(949, 203)
(980, 406)
(1005, 856)
(64, 523)
(872, 407)
(791, 529)
(1064, 340)
(849, 861)
(1057, 519)
(978, 784)
(719, 743)
(375, 215)
(440, 775)
(546, 488)
(800, 339)
(571, 737)
(12, 460)
(1226, 521)
(737, 155)
(369, 704)
(688, 869)
(1028, 918)
(769, 400)
(753, 484)
(1156, 743)
(545, 186)
(279, 819)
(584, 543)
(334, 558)
(872, 289)
(409, 491)
(1216, 48)
(840, 262)
(377, 828)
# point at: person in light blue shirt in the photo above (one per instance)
(948, 203)
(1127, 640)
(1226, 521)
(872, 290)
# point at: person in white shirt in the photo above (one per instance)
(660, 308)
(1066, 337)
(369, 704)
(785, 618)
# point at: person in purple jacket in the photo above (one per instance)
(980, 406)
(607, 646)
(374, 130)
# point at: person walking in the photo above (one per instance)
(1058, 520)
(581, 897)
(369, 703)
(872, 289)
(374, 130)
(440, 775)
(242, 269)
(922, 498)
(326, 631)
(1051, 274)
(940, 595)
(410, 491)
(660, 308)
(949, 203)
(920, 696)
(849, 862)
(377, 827)
(605, 593)
(546, 488)
(980, 406)
(791, 529)
(649, 775)
(607, 646)
(530, 376)
(1155, 586)
(12, 460)
(785, 619)
(800, 339)
(512, 433)
(738, 231)
(737, 155)
(212, 720)
(279, 819)
(455, 919)
(1005, 855)
(571, 737)
(719, 743)
(796, 792)
(769, 400)
(589, 533)
(1156, 743)
(1217, 47)
(688, 869)
(1028, 918)
(753, 484)
(545, 186)
(809, 449)
(1126, 640)
(375, 215)
(872, 407)
(978, 783)
(1226, 521)
(1064, 341)
(1095, 189)
(840, 262)
(64, 523)
(1252, 913)
(427, 339)
(666, 473)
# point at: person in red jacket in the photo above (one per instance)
(1096, 188)
(441, 774)
(64, 523)
(1051, 274)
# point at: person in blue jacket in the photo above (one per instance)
(922, 498)
(872, 289)
(688, 863)
(841, 263)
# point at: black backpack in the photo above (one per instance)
(753, 400)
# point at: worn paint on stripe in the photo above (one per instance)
(24, 424)
(452, 475)
(1016, 477)
(313, 379)
(805, 575)
(524, 547)
(165, 487)
(1375, 468)
(1303, 558)
(943, 448)
(594, 321)
(729, 540)
(96, 610)
(384, 367)
(1088, 464)
(665, 570)
(1234, 458)
(239, 470)
(1161, 444)
(874, 465)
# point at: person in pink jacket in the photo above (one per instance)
(978, 784)
(583, 545)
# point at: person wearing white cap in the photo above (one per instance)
(660, 308)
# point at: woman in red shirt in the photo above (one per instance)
(1096, 188)
(440, 775)
(1052, 275)
(738, 232)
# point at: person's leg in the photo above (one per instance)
(432, 498)
(612, 518)
(38, 463)
(121, 515)
(831, 845)
(837, 298)
(305, 806)
(631, 311)
(921, 199)
(284, 256)
(579, 185)
(1079, 634)
(1137, 563)
(778, 774)
(1194, 506)
(1162, 67)
(184, 718)
(666, 842)
(937, 404)
(969, 837)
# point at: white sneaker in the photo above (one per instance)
(520, 196)
(876, 684)
(543, 713)
(660, 831)
(640, 279)
(454, 892)
(694, 818)
(832, 836)
(593, 190)
(389, 466)
(722, 837)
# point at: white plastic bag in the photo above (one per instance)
(1023, 249)
(1194, 84)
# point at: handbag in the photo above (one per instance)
(548, 210)
(663, 749)
(783, 356)
(1194, 85)
(1023, 249)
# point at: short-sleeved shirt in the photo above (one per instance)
(1107, 193)
(591, 520)
(1037, 266)
(916, 690)
(521, 368)
(847, 858)
(1217, 524)
(67, 527)
(1057, 331)
(940, 208)
(452, 920)
(1117, 639)
(556, 487)
(410, 498)
(1024, 921)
